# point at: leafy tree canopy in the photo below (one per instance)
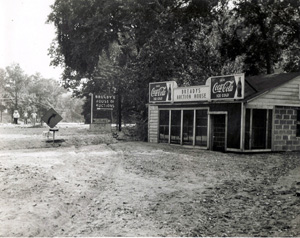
(35, 94)
(121, 46)
(262, 31)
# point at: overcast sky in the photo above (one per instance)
(25, 37)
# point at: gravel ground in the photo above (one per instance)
(90, 184)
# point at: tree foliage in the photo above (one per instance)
(121, 46)
(262, 31)
(35, 94)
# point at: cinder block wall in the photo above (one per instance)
(285, 124)
(153, 117)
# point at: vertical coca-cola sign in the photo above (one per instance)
(227, 87)
(161, 91)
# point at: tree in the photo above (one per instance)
(141, 41)
(2, 92)
(41, 94)
(15, 80)
(261, 31)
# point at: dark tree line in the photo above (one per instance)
(121, 46)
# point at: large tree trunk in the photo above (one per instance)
(269, 63)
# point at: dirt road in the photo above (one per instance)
(92, 185)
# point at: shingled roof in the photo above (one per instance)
(257, 85)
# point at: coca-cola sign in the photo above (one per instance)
(226, 87)
(161, 92)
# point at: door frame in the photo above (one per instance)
(210, 126)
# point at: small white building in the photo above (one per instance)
(228, 113)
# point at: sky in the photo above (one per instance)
(25, 37)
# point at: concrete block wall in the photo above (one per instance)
(285, 125)
(153, 123)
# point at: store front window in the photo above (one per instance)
(258, 130)
(188, 127)
(175, 126)
(164, 126)
(201, 127)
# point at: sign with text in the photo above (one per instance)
(161, 91)
(194, 93)
(51, 118)
(227, 87)
(104, 101)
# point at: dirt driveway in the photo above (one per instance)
(92, 185)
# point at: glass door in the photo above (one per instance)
(188, 127)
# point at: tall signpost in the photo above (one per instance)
(92, 98)
(52, 118)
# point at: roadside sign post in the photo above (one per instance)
(51, 118)
(92, 103)
(102, 106)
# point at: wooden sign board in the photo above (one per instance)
(104, 101)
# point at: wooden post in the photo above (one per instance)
(92, 102)
(119, 110)
(181, 127)
(194, 128)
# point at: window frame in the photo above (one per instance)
(298, 123)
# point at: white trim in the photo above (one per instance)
(248, 151)
(194, 128)
(234, 150)
(183, 108)
(273, 131)
(259, 106)
(216, 112)
(243, 126)
(258, 150)
(181, 127)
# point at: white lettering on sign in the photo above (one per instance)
(157, 92)
(107, 97)
(104, 101)
(223, 87)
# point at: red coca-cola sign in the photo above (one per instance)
(223, 87)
